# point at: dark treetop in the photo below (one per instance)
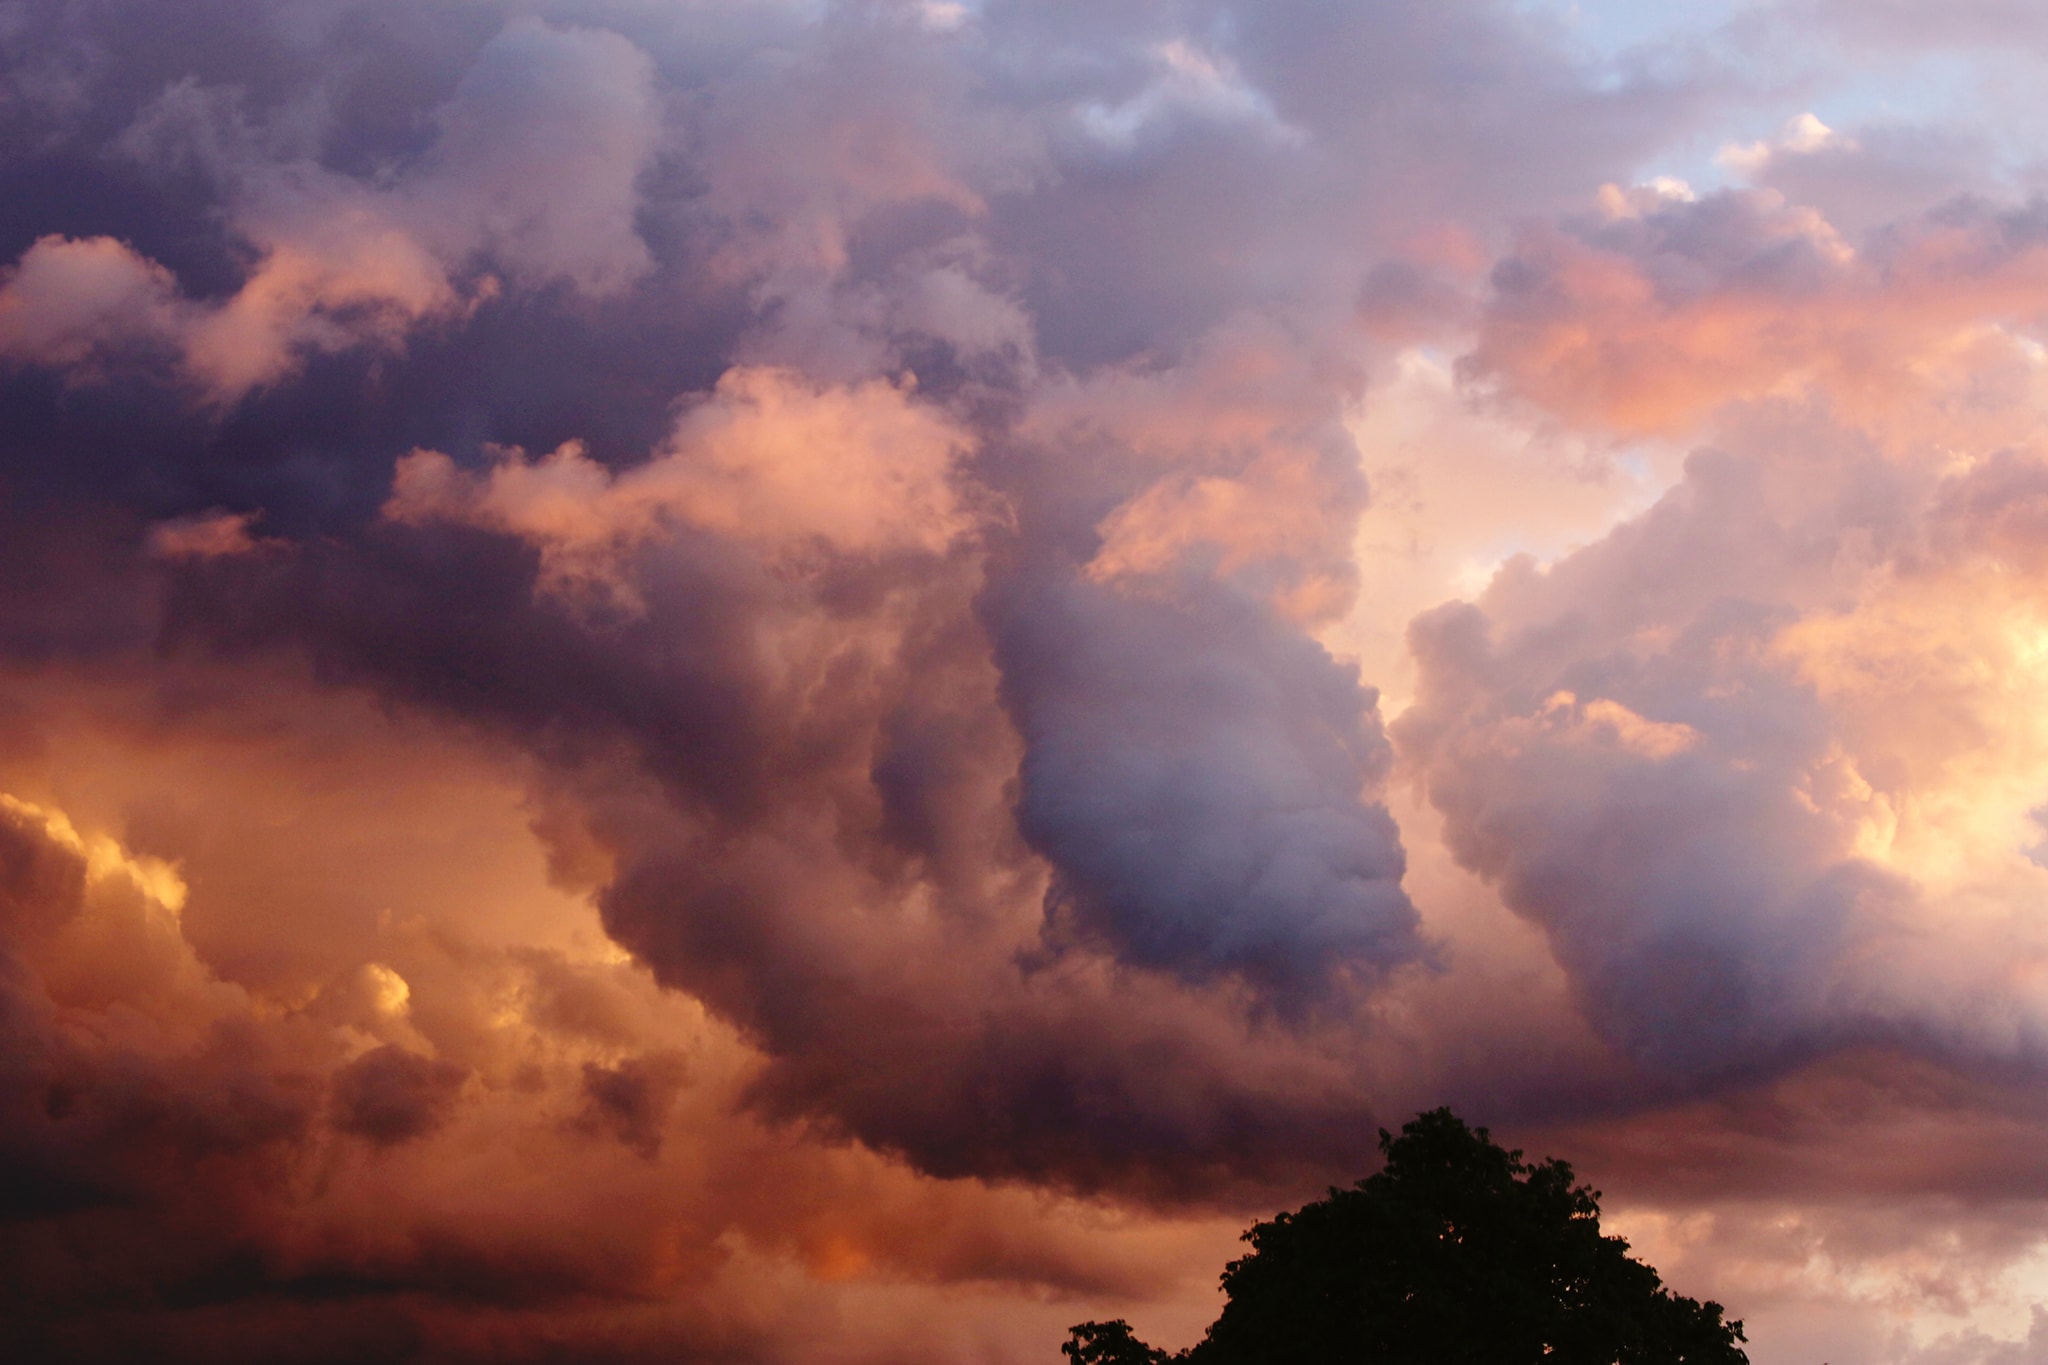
(1457, 1253)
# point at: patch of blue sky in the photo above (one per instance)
(1606, 31)
(1953, 90)
(1608, 35)
(1773, 64)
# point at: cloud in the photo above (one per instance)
(538, 158)
(769, 459)
(389, 1095)
(203, 536)
(1875, 175)
(1253, 853)
(465, 1145)
(830, 683)
(1649, 316)
(534, 173)
(67, 302)
(1739, 800)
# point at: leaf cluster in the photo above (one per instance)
(1456, 1253)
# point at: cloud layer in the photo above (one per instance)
(776, 682)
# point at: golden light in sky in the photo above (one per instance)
(835, 682)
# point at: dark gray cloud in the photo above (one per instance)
(1249, 851)
(390, 1095)
(602, 210)
(882, 476)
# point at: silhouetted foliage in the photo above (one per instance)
(1457, 1253)
(1110, 1343)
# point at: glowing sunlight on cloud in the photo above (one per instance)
(834, 682)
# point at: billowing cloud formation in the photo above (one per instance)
(533, 172)
(1773, 699)
(792, 683)
(1253, 851)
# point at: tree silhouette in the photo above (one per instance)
(1457, 1253)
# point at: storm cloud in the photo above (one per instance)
(828, 682)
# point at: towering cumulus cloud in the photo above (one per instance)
(828, 682)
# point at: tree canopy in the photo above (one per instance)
(1456, 1253)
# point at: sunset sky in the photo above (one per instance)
(795, 682)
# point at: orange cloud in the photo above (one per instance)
(1648, 319)
(769, 459)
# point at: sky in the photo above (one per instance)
(831, 682)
